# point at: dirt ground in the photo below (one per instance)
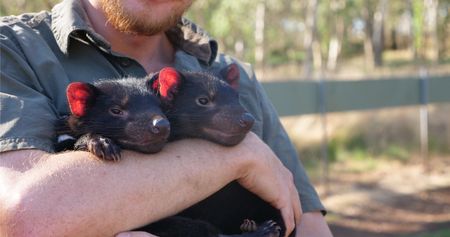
(394, 199)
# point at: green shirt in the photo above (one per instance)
(41, 53)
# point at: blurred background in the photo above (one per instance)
(363, 89)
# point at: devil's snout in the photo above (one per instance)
(246, 120)
(160, 125)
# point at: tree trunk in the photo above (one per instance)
(411, 38)
(310, 34)
(378, 33)
(430, 30)
(368, 32)
(259, 35)
(337, 33)
(417, 6)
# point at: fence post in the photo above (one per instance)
(324, 147)
(423, 113)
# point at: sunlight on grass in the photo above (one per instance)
(353, 155)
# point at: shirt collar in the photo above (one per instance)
(69, 22)
(193, 40)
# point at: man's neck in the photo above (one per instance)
(152, 52)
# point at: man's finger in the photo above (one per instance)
(296, 204)
(288, 217)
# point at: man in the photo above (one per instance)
(73, 194)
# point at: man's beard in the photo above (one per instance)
(142, 22)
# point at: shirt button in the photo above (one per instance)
(125, 62)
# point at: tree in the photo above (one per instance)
(378, 32)
(310, 37)
(20, 6)
(367, 13)
(259, 33)
(417, 7)
(430, 30)
(337, 33)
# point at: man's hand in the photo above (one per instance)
(262, 173)
(267, 177)
(35, 182)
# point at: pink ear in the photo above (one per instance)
(231, 75)
(169, 80)
(79, 95)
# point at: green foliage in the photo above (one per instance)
(17, 7)
(355, 142)
(356, 148)
(443, 29)
(397, 152)
(418, 8)
(445, 232)
(279, 56)
(227, 21)
(234, 21)
(438, 146)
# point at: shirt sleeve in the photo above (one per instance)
(270, 129)
(26, 113)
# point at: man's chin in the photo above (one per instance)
(144, 22)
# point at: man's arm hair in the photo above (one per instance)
(56, 195)
(75, 194)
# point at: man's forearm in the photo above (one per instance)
(75, 194)
(313, 224)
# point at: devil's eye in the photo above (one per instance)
(202, 101)
(116, 111)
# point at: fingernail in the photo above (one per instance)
(123, 235)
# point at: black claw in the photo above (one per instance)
(269, 229)
(104, 148)
(248, 226)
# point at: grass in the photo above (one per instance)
(354, 154)
(438, 233)
(376, 137)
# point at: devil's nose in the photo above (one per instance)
(160, 125)
(246, 120)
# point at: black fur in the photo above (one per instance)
(119, 114)
(222, 120)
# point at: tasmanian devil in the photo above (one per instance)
(113, 114)
(201, 105)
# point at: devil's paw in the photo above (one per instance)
(267, 229)
(102, 147)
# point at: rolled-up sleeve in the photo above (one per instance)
(276, 137)
(26, 113)
(270, 129)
